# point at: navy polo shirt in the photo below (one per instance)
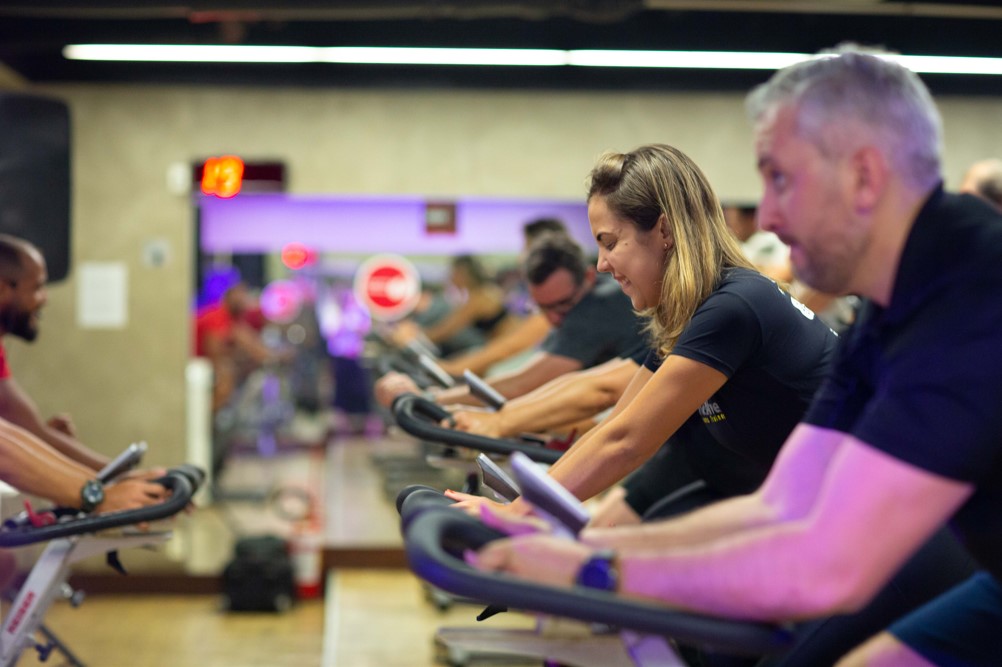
(922, 378)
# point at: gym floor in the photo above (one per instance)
(379, 616)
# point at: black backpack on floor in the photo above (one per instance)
(259, 578)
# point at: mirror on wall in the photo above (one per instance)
(295, 346)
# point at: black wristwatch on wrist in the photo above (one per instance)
(599, 571)
(91, 495)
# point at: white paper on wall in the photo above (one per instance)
(102, 295)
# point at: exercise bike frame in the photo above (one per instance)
(435, 540)
(72, 538)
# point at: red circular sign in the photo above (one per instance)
(388, 285)
(296, 256)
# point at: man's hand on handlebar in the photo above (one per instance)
(133, 491)
(392, 385)
(542, 558)
(478, 421)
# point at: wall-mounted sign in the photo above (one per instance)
(440, 217)
(388, 285)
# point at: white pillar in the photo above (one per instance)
(198, 401)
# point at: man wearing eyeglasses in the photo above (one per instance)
(592, 320)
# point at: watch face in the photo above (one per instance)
(598, 572)
(92, 494)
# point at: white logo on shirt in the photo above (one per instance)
(711, 413)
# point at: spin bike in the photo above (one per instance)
(938, 566)
(631, 632)
(73, 536)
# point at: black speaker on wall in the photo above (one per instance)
(35, 175)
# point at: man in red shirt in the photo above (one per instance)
(38, 457)
(23, 294)
(226, 333)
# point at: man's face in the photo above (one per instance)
(806, 203)
(557, 295)
(237, 300)
(24, 298)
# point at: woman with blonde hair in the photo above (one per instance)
(729, 348)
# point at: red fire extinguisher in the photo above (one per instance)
(306, 541)
(306, 548)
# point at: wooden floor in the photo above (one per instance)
(162, 630)
(368, 617)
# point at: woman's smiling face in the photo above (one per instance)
(634, 257)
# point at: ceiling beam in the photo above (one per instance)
(849, 7)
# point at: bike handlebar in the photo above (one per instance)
(182, 482)
(436, 539)
(420, 417)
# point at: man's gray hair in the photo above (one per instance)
(850, 89)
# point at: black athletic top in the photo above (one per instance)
(774, 352)
(488, 324)
(922, 378)
(600, 327)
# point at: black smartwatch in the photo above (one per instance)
(91, 495)
(599, 571)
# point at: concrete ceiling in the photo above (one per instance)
(32, 35)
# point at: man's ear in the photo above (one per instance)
(869, 173)
(589, 276)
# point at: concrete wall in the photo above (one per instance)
(127, 384)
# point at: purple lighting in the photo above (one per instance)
(365, 225)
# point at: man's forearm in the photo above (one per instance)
(509, 385)
(565, 400)
(73, 449)
(32, 467)
(773, 573)
(18, 409)
(726, 517)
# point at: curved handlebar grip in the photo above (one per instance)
(420, 417)
(406, 492)
(194, 474)
(415, 499)
(436, 539)
(182, 482)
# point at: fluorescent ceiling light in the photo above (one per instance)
(417, 56)
(495, 57)
(185, 53)
(949, 64)
(685, 59)
(314, 54)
